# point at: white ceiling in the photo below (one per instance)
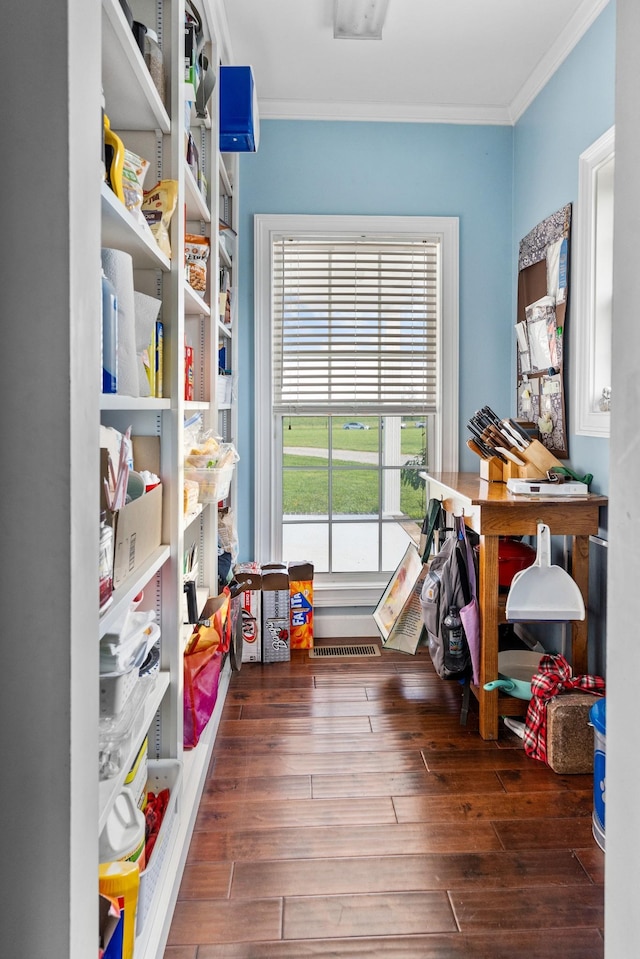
(462, 61)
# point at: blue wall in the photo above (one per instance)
(575, 108)
(401, 169)
(500, 182)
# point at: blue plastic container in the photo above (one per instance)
(239, 124)
(598, 719)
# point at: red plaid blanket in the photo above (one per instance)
(553, 677)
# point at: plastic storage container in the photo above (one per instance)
(598, 718)
(105, 562)
(123, 835)
(162, 774)
(213, 484)
(154, 60)
(239, 122)
(121, 881)
(136, 778)
(115, 689)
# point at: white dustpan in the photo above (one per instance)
(542, 591)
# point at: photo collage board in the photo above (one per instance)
(543, 293)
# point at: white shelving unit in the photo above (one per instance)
(157, 131)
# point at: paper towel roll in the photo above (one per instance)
(147, 309)
(118, 266)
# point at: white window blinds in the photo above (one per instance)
(355, 325)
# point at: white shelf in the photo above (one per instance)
(136, 112)
(194, 774)
(196, 204)
(120, 231)
(192, 406)
(108, 789)
(225, 259)
(117, 401)
(123, 596)
(189, 95)
(192, 516)
(194, 305)
(225, 179)
(131, 99)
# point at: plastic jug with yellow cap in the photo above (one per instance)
(121, 881)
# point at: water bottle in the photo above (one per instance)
(109, 336)
(454, 652)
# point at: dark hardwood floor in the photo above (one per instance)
(348, 814)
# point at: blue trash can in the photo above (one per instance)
(598, 719)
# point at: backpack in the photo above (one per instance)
(446, 584)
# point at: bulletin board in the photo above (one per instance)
(543, 292)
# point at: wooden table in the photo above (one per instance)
(492, 511)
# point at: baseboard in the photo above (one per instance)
(334, 625)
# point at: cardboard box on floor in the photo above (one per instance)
(275, 613)
(251, 605)
(137, 527)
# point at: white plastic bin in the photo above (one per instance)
(162, 774)
(213, 484)
(115, 689)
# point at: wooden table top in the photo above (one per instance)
(491, 509)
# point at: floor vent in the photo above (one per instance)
(360, 650)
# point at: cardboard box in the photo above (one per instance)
(137, 527)
(110, 927)
(275, 613)
(570, 733)
(251, 605)
(301, 604)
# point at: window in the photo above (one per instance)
(356, 387)
(591, 320)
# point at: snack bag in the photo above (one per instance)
(134, 170)
(158, 206)
(196, 255)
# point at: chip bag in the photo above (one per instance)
(202, 663)
(158, 206)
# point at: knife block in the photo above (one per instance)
(495, 471)
(538, 456)
(528, 471)
(491, 470)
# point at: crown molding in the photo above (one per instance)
(380, 111)
(580, 22)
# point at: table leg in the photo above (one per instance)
(580, 627)
(488, 601)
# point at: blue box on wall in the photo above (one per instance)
(239, 123)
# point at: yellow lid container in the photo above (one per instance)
(121, 881)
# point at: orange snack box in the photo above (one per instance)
(301, 605)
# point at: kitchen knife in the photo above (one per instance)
(512, 456)
(523, 434)
(486, 451)
(513, 436)
(476, 449)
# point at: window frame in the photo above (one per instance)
(589, 420)
(268, 480)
